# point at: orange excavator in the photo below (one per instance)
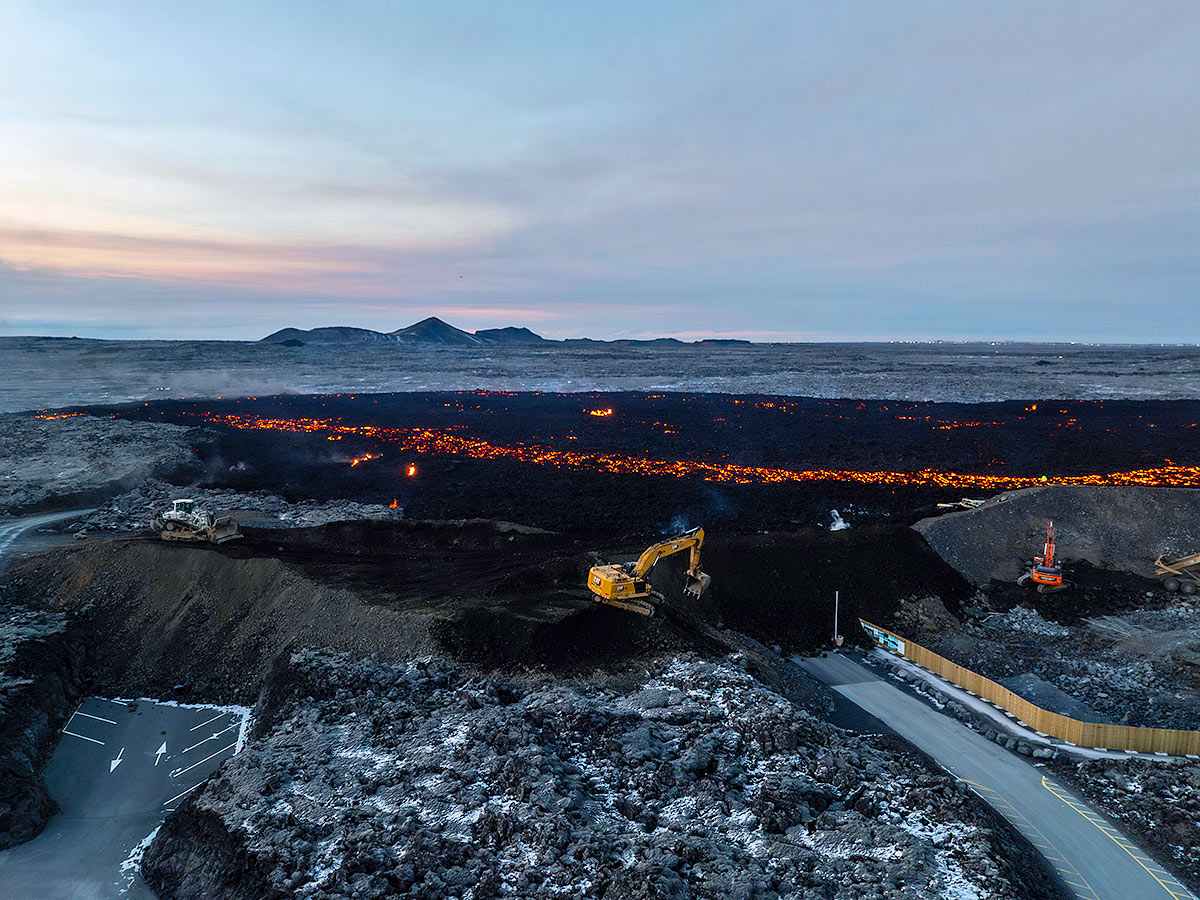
(1045, 572)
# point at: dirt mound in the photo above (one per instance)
(779, 587)
(1121, 528)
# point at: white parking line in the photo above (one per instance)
(179, 772)
(90, 716)
(181, 793)
(205, 722)
(211, 737)
(84, 736)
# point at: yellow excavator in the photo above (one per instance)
(625, 585)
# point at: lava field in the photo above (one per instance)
(661, 460)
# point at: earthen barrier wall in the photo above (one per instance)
(1083, 734)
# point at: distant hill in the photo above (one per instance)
(510, 335)
(336, 334)
(434, 332)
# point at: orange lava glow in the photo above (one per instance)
(362, 459)
(48, 416)
(427, 440)
(601, 413)
(411, 471)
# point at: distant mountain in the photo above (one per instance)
(434, 332)
(510, 335)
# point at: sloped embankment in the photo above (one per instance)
(40, 676)
(208, 622)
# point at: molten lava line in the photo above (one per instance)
(427, 440)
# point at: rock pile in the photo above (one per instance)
(130, 511)
(83, 459)
(693, 780)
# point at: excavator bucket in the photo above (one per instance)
(697, 584)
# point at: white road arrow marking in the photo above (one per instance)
(158, 754)
(112, 766)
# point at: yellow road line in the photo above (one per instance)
(998, 800)
(1113, 835)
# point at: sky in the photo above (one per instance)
(775, 171)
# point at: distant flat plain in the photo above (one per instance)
(37, 373)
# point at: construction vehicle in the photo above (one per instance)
(185, 521)
(964, 503)
(1044, 571)
(1181, 574)
(627, 586)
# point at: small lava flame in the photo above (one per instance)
(600, 413)
(394, 504)
(410, 471)
(362, 459)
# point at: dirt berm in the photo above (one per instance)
(208, 622)
(1120, 528)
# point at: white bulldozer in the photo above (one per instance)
(185, 521)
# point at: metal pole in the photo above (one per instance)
(835, 616)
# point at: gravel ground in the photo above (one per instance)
(81, 459)
(692, 780)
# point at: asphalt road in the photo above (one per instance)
(1092, 856)
(119, 767)
(18, 535)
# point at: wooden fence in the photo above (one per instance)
(1083, 734)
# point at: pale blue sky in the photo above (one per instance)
(771, 170)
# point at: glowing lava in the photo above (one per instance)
(427, 440)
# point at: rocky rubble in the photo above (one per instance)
(40, 677)
(690, 780)
(84, 459)
(1137, 668)
(130, 511)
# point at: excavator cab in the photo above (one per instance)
(626, 586)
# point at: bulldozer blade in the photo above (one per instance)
(224, 530)
(697, 584)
